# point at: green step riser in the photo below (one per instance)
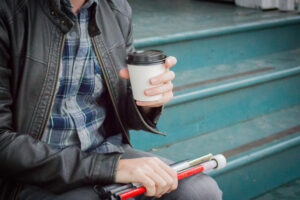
(248, 180)
(227, 48)
(207, 114)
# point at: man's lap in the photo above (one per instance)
(199, 186)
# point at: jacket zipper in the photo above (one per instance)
(109, 91)
(19, 186)
(56, 88)
(115, 108)
(18, 189)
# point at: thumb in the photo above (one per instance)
(124, 73)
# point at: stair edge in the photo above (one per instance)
(192, 35)
(264, 152)
(200, 94)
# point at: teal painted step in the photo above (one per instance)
(237, 89)
(259, 171)
(203, 34)
(259, 150)
(154, 19)
(198, 78)
(222, 103)
(215, 41)
(224, 139)
(290, 191)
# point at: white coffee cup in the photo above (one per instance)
(142, 66)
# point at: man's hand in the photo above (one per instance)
(151, 172)
(163, 85)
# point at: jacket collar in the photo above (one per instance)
(53, 8)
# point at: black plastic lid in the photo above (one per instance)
(146, 57)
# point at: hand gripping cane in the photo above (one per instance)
(184, 169)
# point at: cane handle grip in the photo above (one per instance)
(220, 160)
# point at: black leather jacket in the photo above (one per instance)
(32, 34)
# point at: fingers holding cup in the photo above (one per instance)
(170, 62)
(165, 88)
(162, 86)
(163, 78)
(166, 97)
(124, 73)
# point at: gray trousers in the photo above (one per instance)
(196, 187)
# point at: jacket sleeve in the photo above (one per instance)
(27, 160)
(138, 119)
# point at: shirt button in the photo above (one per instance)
(62, 21)
(52, 12)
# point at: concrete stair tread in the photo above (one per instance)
(290, 191)
(260, 169)
(226, 139)
(206, 77)
(175, 17)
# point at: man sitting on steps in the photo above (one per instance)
(65, 106)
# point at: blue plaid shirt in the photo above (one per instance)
(79, 108)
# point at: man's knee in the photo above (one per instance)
(198, 187)
(34, 193)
